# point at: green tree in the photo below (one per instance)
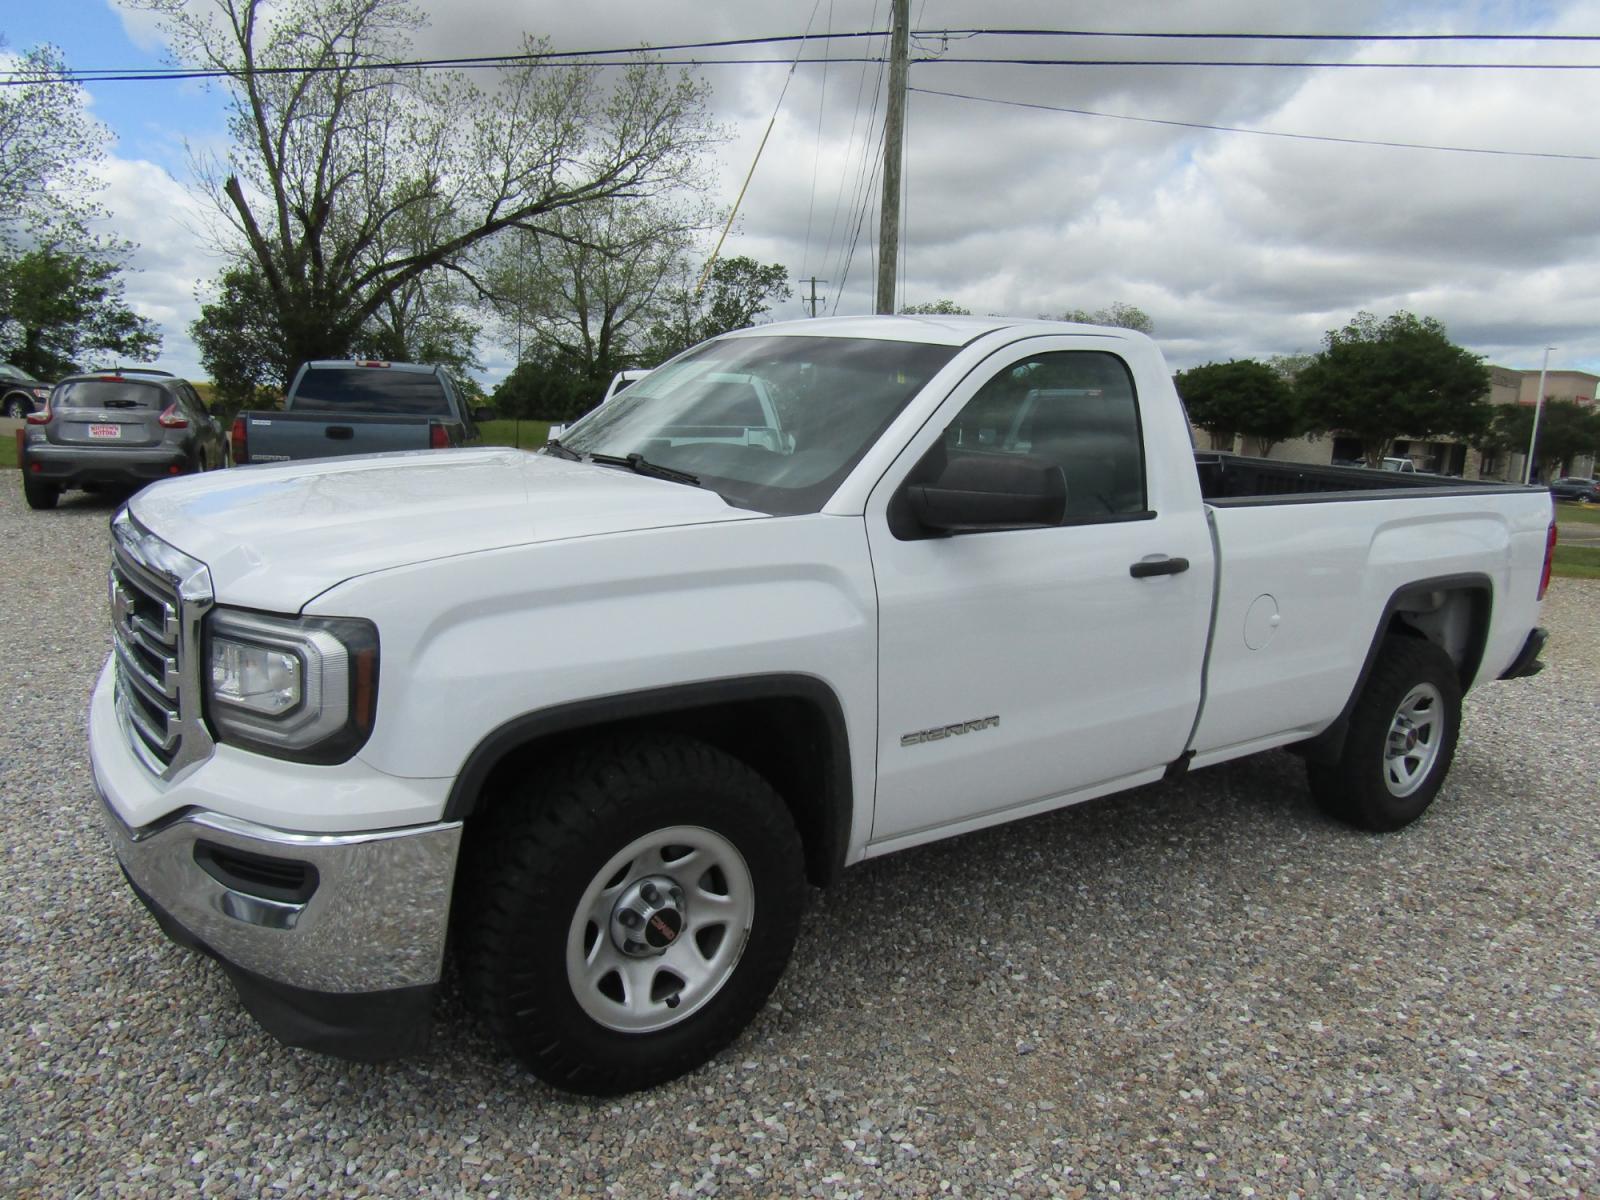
(239, 343)
(544, 387)
(1117, 314)
(936, 308)
(48, 141)
(1240, 396)
(62, 310)
(1399, 377)
(1566, 431)
(61, 298)
(327, 162)
(739, 292)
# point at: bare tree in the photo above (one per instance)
(333, 143)
(589, 294)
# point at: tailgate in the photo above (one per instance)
(284, 436)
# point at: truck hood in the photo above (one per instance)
(276, 536)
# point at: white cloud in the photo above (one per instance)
(142, 27)
(173, 254)
(1236, 245)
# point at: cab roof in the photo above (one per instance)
(935, 330)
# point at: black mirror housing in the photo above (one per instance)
(977, 492)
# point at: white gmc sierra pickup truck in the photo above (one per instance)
(593, 717)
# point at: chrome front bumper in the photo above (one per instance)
(333, 942)
(374, 919)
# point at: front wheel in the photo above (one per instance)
(17, 408)
(634, 909)
(1401, 740)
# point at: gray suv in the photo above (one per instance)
(121, 428)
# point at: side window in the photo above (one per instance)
(1072, 409)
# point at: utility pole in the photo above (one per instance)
(812, 299)
(1538, 407)
(894, 136)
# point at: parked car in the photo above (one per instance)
(1404, 465)
(20, 393)
(1574, 487)
(337, 407)
(595, 716)
(121, 428)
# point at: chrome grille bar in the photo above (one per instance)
(159, 597)
(159, 695)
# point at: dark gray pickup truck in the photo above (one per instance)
(340, 406)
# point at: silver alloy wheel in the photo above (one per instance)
(633, 990)
(1415, 735)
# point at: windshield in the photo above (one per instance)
(370, 390)
(770, 423)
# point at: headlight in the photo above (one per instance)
(299, 688)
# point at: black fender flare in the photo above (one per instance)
(835, 811)
(1328, 745)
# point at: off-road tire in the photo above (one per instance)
(542, 848)
(40, 495)
(1358, 787)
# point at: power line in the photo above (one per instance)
(1271, 37)
(601, 64)
(855, 116)
(1260, 62)
(1299, 137)
(631, 56)
(745, 186)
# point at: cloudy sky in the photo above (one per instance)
(1236, 244)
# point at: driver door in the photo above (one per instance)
(1023, 667)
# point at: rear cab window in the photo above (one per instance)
(370, 390)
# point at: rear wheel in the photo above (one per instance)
(40, 495)
(1401, 740)
(634, 909)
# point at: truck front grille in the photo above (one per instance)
(158, 597)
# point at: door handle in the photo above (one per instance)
(1147, 567)
(340, 433)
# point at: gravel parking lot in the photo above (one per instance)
(1196, 989)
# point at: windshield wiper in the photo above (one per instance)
(640, 465)
(563, 451)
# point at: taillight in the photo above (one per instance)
(438, 439)
(171, 418)
(241, 442)
(1549, 560)
(42, 417)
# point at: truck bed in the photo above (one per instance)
(1234, 480)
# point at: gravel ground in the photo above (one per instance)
(1196, 989)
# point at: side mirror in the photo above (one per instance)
(977, 492)
(483, 413)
